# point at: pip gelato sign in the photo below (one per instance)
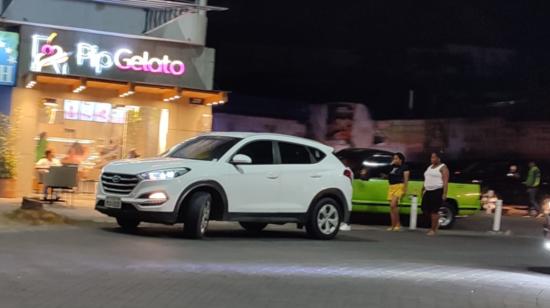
(47, 54)
(110, 56)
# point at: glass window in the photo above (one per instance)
(317, 154)
(366, 164)
(380, 172)
(294, 154)
(261, 152)
(203, 148)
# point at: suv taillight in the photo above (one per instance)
(349, 174)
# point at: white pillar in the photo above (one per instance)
(414, 212)
(498, 216)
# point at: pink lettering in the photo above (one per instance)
(177, 68)
(145, 61)
(155, 62)
(136, 63)
(125, 61)
(165, 64)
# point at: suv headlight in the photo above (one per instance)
(165, 174)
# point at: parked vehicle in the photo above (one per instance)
(495, 175)
(254, 179)
(370, 186)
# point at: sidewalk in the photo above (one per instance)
(82, 211)
(516, 225)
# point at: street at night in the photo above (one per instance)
(96, 265)
(255, 154)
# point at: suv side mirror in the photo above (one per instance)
(241, 159)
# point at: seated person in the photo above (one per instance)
(133, 154)
(43, 167)
(76, 154)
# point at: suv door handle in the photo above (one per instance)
(316, 176)
(272, 176)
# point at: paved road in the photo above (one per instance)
(95, 265)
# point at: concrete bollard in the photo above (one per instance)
(414, 212)
(498, 216)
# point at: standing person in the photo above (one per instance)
(399, 180)
(533, 182)
(513, 172)
(41, 146)
(434, 192)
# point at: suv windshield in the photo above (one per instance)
(203, 148)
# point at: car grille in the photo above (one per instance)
(121, 184)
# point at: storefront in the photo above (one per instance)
(93, 97)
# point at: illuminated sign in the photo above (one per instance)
(117, 58)
(9, 42)
(47, 54)
(125, 59)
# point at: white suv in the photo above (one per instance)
(252, 178)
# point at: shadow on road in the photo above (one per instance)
(540, 269)
(222, 235)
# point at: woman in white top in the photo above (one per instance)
(434, 192)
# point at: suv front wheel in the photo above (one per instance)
(127, 224)
(197, 215)
(324, 220)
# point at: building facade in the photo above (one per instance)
(92, 93)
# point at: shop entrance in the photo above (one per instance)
(89, 135)
(89, 123)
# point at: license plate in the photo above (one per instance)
(113, 202)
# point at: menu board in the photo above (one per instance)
(86, 111)
(71, 109)
(92, 111)
(102, 112)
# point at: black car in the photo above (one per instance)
(501, 177)
(366, 163)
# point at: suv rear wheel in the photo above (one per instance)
(127, 224)
(197, 215)
(253, 227)
(324, 220)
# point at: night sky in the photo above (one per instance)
(461, 58)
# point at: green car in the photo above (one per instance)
(370, 187)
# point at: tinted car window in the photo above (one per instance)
(294, 154)
(261, 152)
(365, 163)
(317, 154)
(203, 148)
(379, 172)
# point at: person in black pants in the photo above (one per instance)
(434, 191)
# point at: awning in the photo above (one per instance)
(78, 84)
